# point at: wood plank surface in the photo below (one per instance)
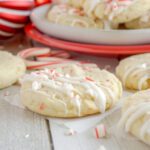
(21, 129)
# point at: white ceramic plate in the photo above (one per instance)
(94, 36)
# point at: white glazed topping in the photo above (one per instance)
(63, 9)
(113, 7)
(66, 84)
(145, 129)
(132, 114)
(93, 5)
(76, 21)
(145, 18)
(142, 70)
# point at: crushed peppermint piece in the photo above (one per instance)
(89, 79)
(42, 106)
(70, 132)
(100, 131)
(6, 93)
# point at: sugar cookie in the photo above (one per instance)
(72, 90)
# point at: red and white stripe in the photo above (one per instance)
(100, 131)
(44, 57)
(14, 15)
(17, 4)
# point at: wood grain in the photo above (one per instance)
(22, 130)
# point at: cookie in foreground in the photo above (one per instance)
(136, 115)
(70, 90)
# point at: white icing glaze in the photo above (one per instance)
(78, 104)
(61, 10)
(132, 114)
(144, 129)
(79, 21)
(98, 93)
(110, 93)
(36, 85)
(93, 4)
(135, 70)
(142, 80)
(125, 116)
(115, 7)
(107, 25)
(140, 112)
(145, 18)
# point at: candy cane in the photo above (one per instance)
(44, 57)
(100, 131)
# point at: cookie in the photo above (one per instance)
(72, 90)
(134, 72)
(140, 23)
(11, 68)
(133, 9)
(136, 116)
(66, 15)
(116, 11)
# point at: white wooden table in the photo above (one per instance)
(24, 130)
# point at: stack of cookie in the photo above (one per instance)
(103, 14)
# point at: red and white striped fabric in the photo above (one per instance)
(14, 15)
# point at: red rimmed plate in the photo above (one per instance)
(108, 50)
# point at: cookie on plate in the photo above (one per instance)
(11, 69)
(134, 72)
(96, 9)
(140, 23)
(116, 11)
(66, 15)
(136, 115)
(72, 90)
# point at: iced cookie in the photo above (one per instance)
(116, 11)
(11, 68)
(136, 116)
(66, 15)
(140, 23)
(134, 72)
(72, 90)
